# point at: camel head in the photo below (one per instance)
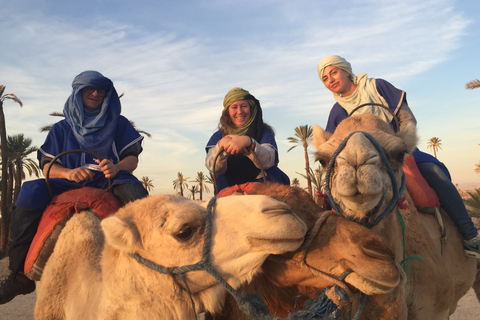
(170, 231)
(360, 183)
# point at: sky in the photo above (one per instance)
(175, 61)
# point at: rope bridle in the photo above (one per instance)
(397, 192)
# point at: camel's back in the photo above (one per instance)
(78, 250)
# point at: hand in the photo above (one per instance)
(80, 174)
(108, 168)
(236, 144)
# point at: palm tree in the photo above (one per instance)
(477, 168)
(180, 183)
(317, 181)
(193, 190)
(147, 183)
(434, 144)
(474, 84)
(19, 148)
(6, 218)
(303, 135)
(473, 203)
(201, 186)
(295, 182)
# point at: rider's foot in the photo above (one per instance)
(472, 247)
(13, 285)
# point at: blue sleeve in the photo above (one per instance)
(126, 136)
(217, 136)
(337, 114)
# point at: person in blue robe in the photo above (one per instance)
(351, 91)
(241, 131)
(93, 123)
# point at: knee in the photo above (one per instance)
(129, 192)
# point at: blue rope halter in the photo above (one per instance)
(251, 304)
(397, 193)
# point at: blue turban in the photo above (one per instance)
(94, 131)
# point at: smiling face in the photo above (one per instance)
(338, 81)
(92, 98)
(239, 112)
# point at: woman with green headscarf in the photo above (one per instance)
(350, 91)
(241, 131)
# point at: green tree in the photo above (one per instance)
(473, 203)
(477, 168)
(147, 183)
(303, 135)
(180, 183)
(434, 144)
(193, 190)
(19, 148)
(295, 182)
(4, 207)
(317, 181)
(201, 181)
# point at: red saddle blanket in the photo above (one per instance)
(57, 213)
(244, 188)
(422, 194)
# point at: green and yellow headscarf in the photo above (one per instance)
(254, 126)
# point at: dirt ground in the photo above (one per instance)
(21, 308)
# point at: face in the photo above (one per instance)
(239, 112)
(338, 81)
(92, 98)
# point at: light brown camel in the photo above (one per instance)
(336, 246)
(362, 189)
(91, 274)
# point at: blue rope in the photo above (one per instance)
(252, 305)
(396, 192)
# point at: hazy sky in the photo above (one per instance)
(176, 60)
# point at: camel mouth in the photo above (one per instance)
(370, 283)
(283, 244)
(358, 214)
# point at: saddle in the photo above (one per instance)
(423, 196)
(56, 215)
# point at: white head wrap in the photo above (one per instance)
(365, 92)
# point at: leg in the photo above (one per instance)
(453, 205)
(128, 192)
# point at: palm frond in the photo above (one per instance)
(474, 84)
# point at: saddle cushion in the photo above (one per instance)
(422, 194)
(244, 188)
(56, 215)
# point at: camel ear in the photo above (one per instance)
(121, 234)
(409, 135)
(319, 136)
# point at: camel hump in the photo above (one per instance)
(56, 215)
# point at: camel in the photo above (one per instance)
(438, 271)
(334, 246)
(94, 270)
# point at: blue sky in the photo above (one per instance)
(175, 61)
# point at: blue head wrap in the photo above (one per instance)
(94, 131)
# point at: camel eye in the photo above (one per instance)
(323, 158)
(185, 233)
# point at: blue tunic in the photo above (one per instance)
(273, 174)
(34, 194)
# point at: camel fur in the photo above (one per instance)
(91, 275)
(439, 273)
(338, 245)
